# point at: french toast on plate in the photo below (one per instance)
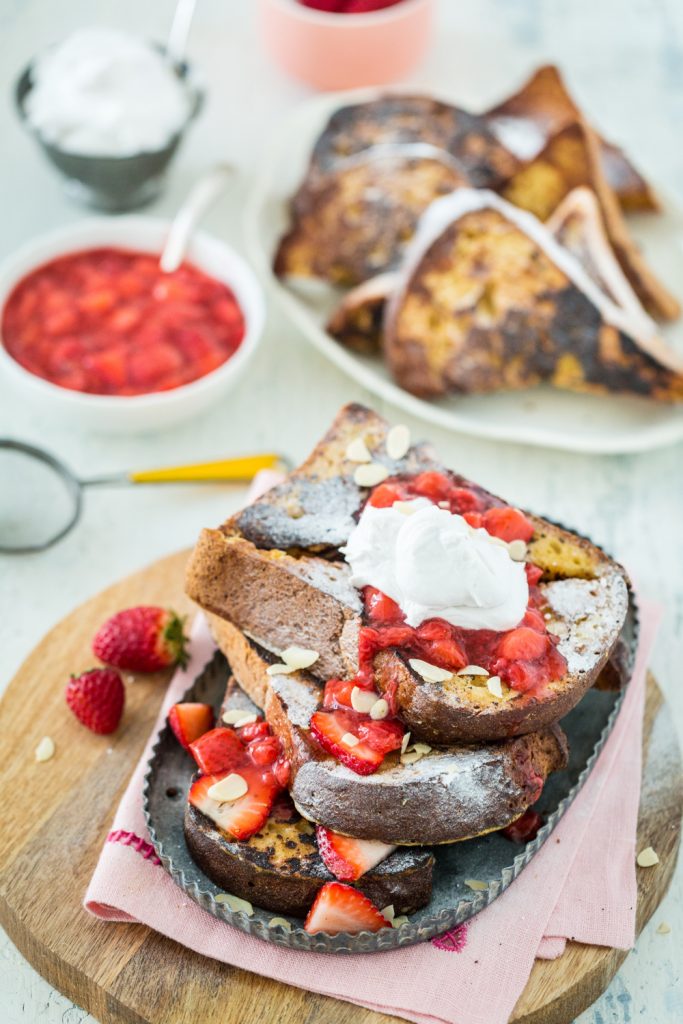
(411, 642)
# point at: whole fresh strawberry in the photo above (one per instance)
(96, 698)
(142, 639)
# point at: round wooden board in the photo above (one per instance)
(60, 812)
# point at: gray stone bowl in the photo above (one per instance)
(112, 183)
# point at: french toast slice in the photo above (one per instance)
(297, 591)
(489, 300)
(576, 223)
(280, 869)
(403, 120)
(542, 108)
(354, 221)
(572, 158)
(357, 321)
(448, 795)
(374, 169)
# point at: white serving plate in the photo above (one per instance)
(542, 416)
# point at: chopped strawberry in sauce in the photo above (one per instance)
(251, 752)
(524, 829)
(111, 322)
(526, 658)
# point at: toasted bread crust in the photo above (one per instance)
(449, 795)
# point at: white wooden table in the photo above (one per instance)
(624, 60)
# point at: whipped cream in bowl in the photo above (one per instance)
(433, 564)
(108, 109)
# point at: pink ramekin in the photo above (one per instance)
(346, 51)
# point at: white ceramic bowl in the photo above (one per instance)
(129, 413)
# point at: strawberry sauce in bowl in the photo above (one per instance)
(94, 329)
(111, 322)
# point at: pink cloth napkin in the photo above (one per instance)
(581, 885)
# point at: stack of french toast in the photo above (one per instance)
(402, 645)
(484, 252)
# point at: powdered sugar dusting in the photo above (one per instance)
(587, 616)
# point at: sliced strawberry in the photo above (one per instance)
(380, 608)
(240, 818)
(508, 524)
(328, 728)
(533, 574)
(341, 908)
(219, 750)
(383, 735)
(463, 501)
(524, 828)
(264, 750)
(385, 495)
(250, 732)
(282, 771)
(440, 646)
(349, 858)
(432, 485)
(474, 519)
(523, 644)
(534, 619)
(190, 721)
(337, 693)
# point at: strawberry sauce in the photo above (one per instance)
(525, 658)
(110, 322)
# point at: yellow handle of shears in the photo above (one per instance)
(244, 468)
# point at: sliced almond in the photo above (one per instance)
(280, 922)
(430, 673)
(357, 451)
(422, 748)
(349, 740)
(398, 441)
(404, 742)
(232, 787)
(472, 670)
(370, 474)
(517, 550)
(247, 719)
(45, 749)
(647, 858)
(299, 657)
(233, 715)
(237, 905)
(379, 710)
(363, 700)
(494, 686)
(663, 928)
(279, 669)
(410, 757)
(396, 922)
(388, 912)
(476, 885)
(406, 508)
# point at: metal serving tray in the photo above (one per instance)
(490, 858)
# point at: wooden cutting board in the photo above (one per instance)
(56, 816)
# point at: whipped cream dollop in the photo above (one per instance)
(435, 565)
(103, 92)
